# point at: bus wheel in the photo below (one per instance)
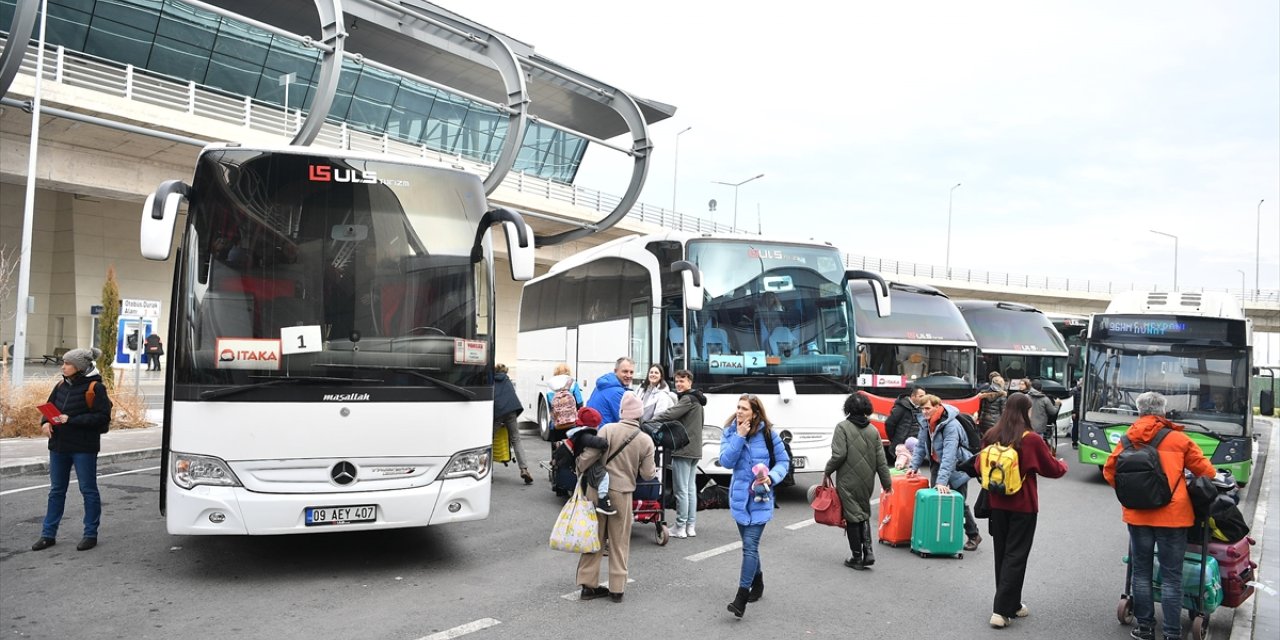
(544, 421)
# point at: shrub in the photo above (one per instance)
(20, 418)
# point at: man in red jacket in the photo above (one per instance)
(1163, 527)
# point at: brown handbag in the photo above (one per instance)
(826, 504)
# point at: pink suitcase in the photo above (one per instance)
(1237, 569)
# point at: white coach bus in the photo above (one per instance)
(745, 315)
(331, 343)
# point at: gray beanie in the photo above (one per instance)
(81, 359)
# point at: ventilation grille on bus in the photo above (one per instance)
(1191, 300)
(1157, 299)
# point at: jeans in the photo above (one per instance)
(750, 553)
(86, 466)
(1171, 544)
(684, 477)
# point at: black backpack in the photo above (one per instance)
(1140, 479)
(972, 433)
(670, 435)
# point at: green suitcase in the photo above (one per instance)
(938, 527)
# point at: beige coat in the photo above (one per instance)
(636, 460)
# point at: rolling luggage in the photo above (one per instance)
(562, 476)
(1191, 580)
(501, 446)
(937, 527)
(1236, 567)
(896, 509)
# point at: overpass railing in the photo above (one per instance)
(72, 68)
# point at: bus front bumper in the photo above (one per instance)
(211, 510)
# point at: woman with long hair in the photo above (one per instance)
(749, 441)
(1012, 523)
(655, 394)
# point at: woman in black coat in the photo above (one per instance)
(75, 436)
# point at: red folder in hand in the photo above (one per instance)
(50, 412)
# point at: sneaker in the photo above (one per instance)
(605, 508)
(591, 593)
(688, 530)
(87, 544)
(524, 474)
(998, 621)
(43, 543)
(1023, 611)
(678, 531)
(972, 543)
(1143, 633)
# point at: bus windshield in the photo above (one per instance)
(998, 329)
(770, 309)
(926, 341)
(345, 273)
(1206, 387)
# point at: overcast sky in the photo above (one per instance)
(1074, 127)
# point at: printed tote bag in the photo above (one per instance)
(577, 528)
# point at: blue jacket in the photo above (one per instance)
(946, 441)
(740, 454)
(504, 396)
(607, 397)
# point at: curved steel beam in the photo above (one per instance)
(640, 147)
(331, 29)
(517, 110)
(15, 47)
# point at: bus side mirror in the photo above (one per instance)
(521, 256)
(1073, 356)
(1266, 403)
(879, 289)
(691, 279)
(159, 215)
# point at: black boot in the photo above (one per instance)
(854, 531)
(868, 556)
(757, 587)
(739, 604)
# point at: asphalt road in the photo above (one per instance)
(499, 577)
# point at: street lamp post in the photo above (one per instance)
(735, 186)
(950, 197)
(1175, 255)
(285, 80)
(675, 178)
(1257, 258)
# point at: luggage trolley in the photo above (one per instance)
(1207, 598)
(648, 503)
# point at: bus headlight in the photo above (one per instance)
(473, 463)
(189, 470)
(711, 433)
(879, 417)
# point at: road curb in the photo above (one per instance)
(103, 458)
(1242, 619)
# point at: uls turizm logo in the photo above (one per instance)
(325, 173)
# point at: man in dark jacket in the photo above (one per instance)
(684, 461)
(1044, 410)
(607, 396)
(506, 411)
(75, 437)
(904, 420)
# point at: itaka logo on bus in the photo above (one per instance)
(325, 173)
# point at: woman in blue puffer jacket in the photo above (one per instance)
(747, 441)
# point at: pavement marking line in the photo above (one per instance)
(711, 553)
(45, 486)
(463, 629)
(804, 523)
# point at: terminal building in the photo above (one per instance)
(133, 88)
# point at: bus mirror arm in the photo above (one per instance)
(520, 247)
(692, 282)
(159, 215)
(879, 288)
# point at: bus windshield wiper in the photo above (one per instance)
(834, 382)
(413, 371)
(272, 381)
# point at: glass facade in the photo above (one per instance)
(188, 43)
